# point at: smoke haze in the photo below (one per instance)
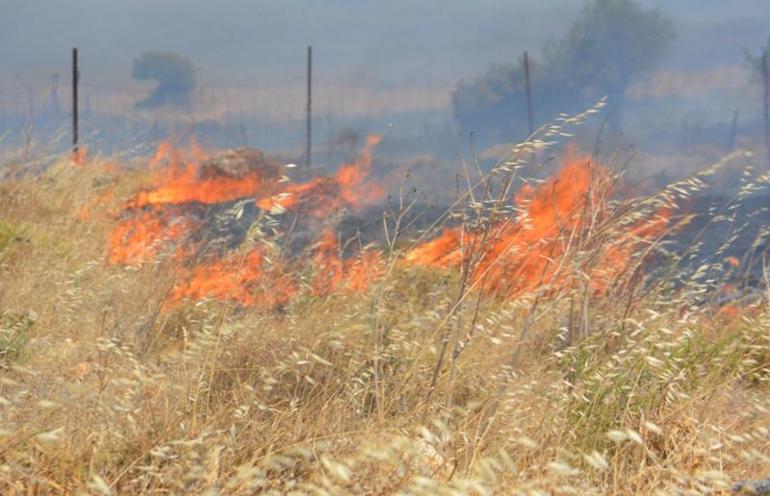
(431, 42)
(375, 64)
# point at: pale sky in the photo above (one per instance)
(385, 43)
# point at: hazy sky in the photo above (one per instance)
(385, 43)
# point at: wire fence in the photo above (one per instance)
(272, 116)
(265, 116)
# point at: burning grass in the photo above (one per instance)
(541, 338)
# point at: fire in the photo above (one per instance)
(249, 280)
(514, 256)
(326, 194)
(351, 177)
(186, 185)
(562, 233)
(80, 156)
(183, 181)
(241, 279)
(140, 238)
(733, 261)
(321, 189)
(353, 274)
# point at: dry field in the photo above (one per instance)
(546, 341)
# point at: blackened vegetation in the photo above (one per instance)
(725, 245)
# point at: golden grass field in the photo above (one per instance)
(421, 383)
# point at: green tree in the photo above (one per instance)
(760, 69)
(608, 47)
(175, 75)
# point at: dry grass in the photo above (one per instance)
(103, 393)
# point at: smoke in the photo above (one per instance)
(376, 64)
(606, 48)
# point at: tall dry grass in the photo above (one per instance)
(420, 385)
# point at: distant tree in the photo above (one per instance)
(760, 68)
(609, 46)
(754, 62)
(175, 75)
(494, 104)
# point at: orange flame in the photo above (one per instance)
(556, 220)
(323, 195)
(141, 238)
(151, 223)
(733, 261)
(242, 279)
(332, 271)
(80, 156)
(520, 255)
(351, 177)
(181, 181)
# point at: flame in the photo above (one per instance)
(733, 261)
(351, 177)
(248, 281)
(332, 271)
(519, 255)
(556, 224)
(141, 237)
(242, 279)
(162, 214)
(322, 195)
(80, 156)
(181, 181)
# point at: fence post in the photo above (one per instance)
(75, 79)
(766, 101)
(309, 144)
(530, 112)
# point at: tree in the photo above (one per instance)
(608, 47)
(175, 75)
(754, 62)
(760, 66)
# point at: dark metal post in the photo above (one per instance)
(530, 113)
(766, 101)
(308, 149)
(75, 78)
